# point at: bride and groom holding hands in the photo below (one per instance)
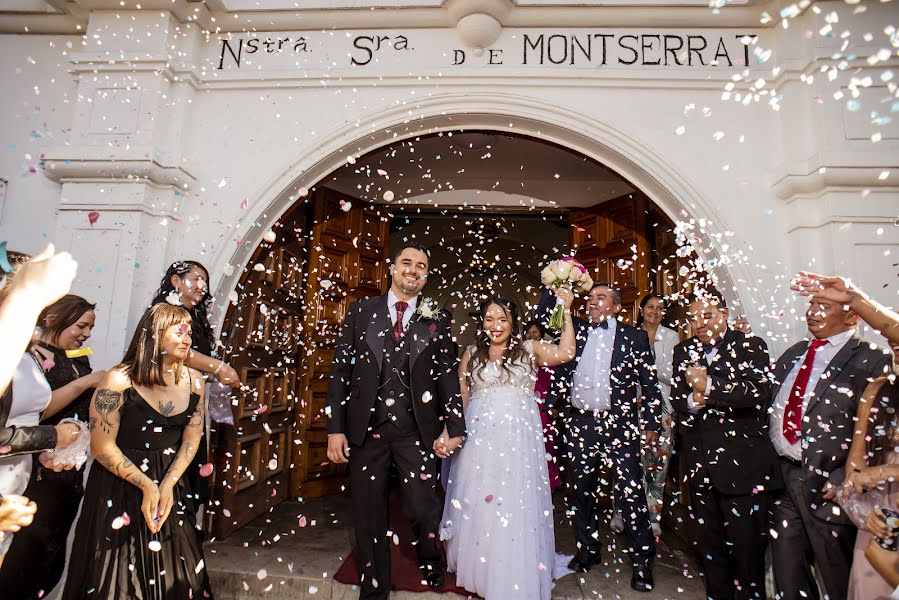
(399, 398)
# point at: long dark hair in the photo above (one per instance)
(643, 303)
(515, 352)
(143, 359)
(882, 423)
(200, 312)
(67, 311)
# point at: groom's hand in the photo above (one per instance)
(338, 449)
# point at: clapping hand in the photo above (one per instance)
(697, 377)
(16, 512)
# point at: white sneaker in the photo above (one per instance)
(617, 524)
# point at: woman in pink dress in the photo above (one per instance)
(871, 482)
(535, 331)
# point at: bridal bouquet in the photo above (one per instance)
(564, 273)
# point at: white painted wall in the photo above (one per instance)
(783, 190)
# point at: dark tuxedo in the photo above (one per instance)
(810, 528)
(590, 436)
(730, 461)
(392, 399)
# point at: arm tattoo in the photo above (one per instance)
(107, 402)
(92, 424)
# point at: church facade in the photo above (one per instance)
(139, 133)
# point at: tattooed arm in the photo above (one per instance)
(190, 442)
(104, 426)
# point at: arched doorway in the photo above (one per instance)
(461, 195)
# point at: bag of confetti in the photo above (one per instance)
(220, 398)
(76, 452)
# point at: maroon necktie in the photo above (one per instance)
(793, 413)
(398, 326)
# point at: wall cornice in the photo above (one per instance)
(86, 163)
(213, 15)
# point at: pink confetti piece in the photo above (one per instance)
(48, 363)
(5, 449)
(302, 520)
(92, 217)
(206, 470)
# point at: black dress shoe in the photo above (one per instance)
(434, 579)
(641, 580)
(581, 563)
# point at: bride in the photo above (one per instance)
(498, 516)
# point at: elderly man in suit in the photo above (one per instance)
(817, 385)
(722, 392)
(602, 385)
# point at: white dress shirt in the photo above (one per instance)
(591, 386)
(663, 348)
(823, 356)
(391, 309)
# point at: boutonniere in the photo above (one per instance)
(426, 309)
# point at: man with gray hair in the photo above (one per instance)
(601, 387)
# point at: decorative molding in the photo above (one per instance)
(814, 180)
(213, 15)
(85, 164)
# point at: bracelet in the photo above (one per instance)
(219, 368)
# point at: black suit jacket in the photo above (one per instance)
(829, 419)
(356, 369)
(633, 370)
(729, 436)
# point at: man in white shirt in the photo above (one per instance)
(817, 386)
(602, 385)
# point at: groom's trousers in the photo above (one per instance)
(588, 445)
(370, 467)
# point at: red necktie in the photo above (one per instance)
(793, 414)
(398, 326)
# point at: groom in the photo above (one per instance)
(394, 401)
(602, 385)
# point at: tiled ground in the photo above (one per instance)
(275, 558)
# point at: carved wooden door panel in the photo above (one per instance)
(347, 261)
(262, 340)
(611, 241)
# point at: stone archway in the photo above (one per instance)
(645, 169)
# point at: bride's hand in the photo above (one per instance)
(566, 295)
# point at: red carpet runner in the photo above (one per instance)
(405, 574)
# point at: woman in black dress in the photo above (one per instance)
(35, 561)
(135, 537)
(186, 284)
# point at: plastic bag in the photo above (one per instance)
(220, 398)
(76, 452)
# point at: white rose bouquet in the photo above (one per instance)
(564, 273)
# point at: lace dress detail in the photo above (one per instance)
(498, 517)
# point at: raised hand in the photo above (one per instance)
(835, 289)
(46, 277)
(565, 294)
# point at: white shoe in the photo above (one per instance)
(617, 524)
(656, 530)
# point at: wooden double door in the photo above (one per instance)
(293, 296)
(280, 337)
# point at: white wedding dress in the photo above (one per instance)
(498, 516)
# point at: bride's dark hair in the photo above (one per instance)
(514, 351)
